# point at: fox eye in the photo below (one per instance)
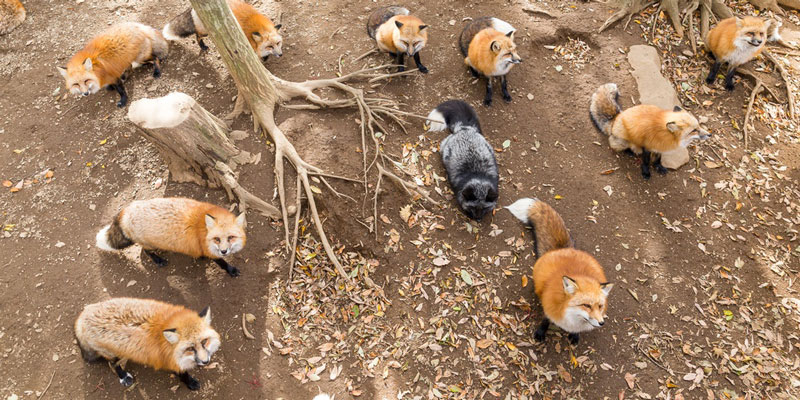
(230, 238)
(204, 343)
(216, 240)
(190, 350)
(586, 305)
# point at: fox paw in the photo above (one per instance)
(661, 170)
(729, 86)
(646, 175)
(233, 272)
(540, 334)
(122, 103)
(156, 73)
(487, 102)
(192, 383)
(573, 338)
(423, 69)
(507, 97)
(127, 380)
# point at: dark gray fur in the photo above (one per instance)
(472, 29)
(116, 238)
(381, 15)
(183, 24)
(469, 160)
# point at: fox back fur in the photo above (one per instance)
(12, 14)
(179, 225)
(468, 158)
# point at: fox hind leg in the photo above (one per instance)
(645, 163)
(158, 260)
(125, 378)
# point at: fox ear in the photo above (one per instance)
(256, 36)
(62, 71)
(399, 24)
(278, 27)
(510, 34)
(738, 22)
(673, 127)
(171, 335)
(210, 221)
(421, 27)
(569, 285)
(606, 287)
(677, 108)
(241, 221)
(205, 314)
(87, 64)
(495, 46)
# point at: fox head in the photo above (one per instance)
(225, 234)
(81, 78)
(685, 127)
(477, 198)
(751, 31)
(268, 41)
(193, 339)
(411, 34)
(586, 301)
(504, 51)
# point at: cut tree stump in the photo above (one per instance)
(196, 146)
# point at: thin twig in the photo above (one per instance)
(364, 55)
(785, 77)
(756, 91)
(48, 386)
(294, 256)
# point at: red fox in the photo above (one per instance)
(12, 13)
(488, 47)
(179, 225)
(398, 33)
(569, 283)
(260, 31)
(148, 332)
(644, 128)
(104, 61)
(736, 41)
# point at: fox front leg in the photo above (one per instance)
(541, 331)
(230, 269)
(401, 61)
(125, 378)
(421, 67)
(190, 381)
(645, 163)
(660, 168)
(156, 67)
(123, 96)
(487, 101)
(203, 47)
(158, 260)
(504, 88)
(712, 75)
(729, 78)
(573, 338)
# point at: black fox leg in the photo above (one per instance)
(230, 269)
(729, 78)
(156, 68)
(421, 67)
(573, 338)
(123, 97)
(125, 378)
(203, 47)
(660, 168)
(541, 331)
(473, 72)
(712, 75)
(488, 99)
(265, 58)
(401, 61)
(504, 88)
(190, 381)
(158, 260)
(645, 163)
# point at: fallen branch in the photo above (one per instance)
(785, 77)
(753, 94)
(47, 387)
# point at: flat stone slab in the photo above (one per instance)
(657, 90)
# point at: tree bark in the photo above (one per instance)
(195, 145)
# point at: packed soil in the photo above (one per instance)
(704, 258)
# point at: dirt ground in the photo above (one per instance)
(704, 258)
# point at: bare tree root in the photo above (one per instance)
(196, 147)
(757, 80)
(680, 12)
(753, 94)
(785, 77)
(261, 92)
(632, 7)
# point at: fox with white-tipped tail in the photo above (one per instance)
(569, 283)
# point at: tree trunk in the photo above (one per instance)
(195, 145)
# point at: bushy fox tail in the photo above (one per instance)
(605, 107)
(550, 232)
(111, 237)
(180, 27)
(450, 114)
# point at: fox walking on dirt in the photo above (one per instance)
(148, 332)
(179, 225)
(570, 283)
(108, 56)
(644, 129)
(399, 33)
(736, 41)
(488, 47)
(258, 28)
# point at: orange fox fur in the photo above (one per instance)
(653, 128)
(569, 283)
(731, 36)
(12, 13)
(390, 37)
(489, 52)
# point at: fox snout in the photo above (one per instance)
(704, 134)
(203, 362)
(515, 59)
(756, 42)
(86, 93)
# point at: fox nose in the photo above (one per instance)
(223, 251)
(601, 323)
(278, 54)
(86, 93)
